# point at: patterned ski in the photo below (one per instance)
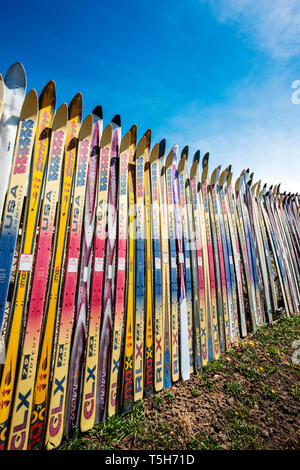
(138, 373)
(201, 333)
(15, 197)
(175, 366)
(148, 353)
(157, 271)
(22, 283)
(14, 93)
(183, 314)
(82, 295)
(213, 293)
(90, 382)
(59, 379)
(45, 359)
(165, 346)
(182, 178)
(19, 426)
(119, 310)
(127, 384)
(109, 273)
(219, 256)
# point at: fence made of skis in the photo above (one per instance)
(124, 267)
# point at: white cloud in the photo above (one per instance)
(271, 25)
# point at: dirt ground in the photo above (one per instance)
(248, 399)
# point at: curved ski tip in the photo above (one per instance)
(30, 105)
(75, 107)
(106, 137)
(162, 147)
(15, 76)
(116, 120)
(133, 133)
(48, 94)
(196, 156)
(125, 142)
(184, 152)
(86, 127)
(205, 160)
(154, 153)
(140, 149)
(98, 111)
(61, 117)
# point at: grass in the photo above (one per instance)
(251, 375)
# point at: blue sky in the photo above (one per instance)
(214, 75)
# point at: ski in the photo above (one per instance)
(211, 268)
(45, 358)
(14, 335)
(18, 431)
(90, 373)
(201, 332)
(182, 178)
(157, 271)
(195, 326)
(148, 352)
(231, 282)
(14, 93)
(119, 309)
(219, 260)
(59, 379)
(2, 95)
(82, 294)
(15, 197)
(165, 345)
(175, 366)
(127, 394)
(183, 313)
(109, 273)
(138, 372)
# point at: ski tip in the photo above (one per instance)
(215, 175)
(194, 169)
(196, 156)
(86, 128)
(170, 157)
(205, 160)
(154, 153)
(97, 111)
(48, 95)
(140, 149)
(125, 142)
(222, 178)
(30, 105)
(106, 137)
(116, 120)
(133, 132)
(162, 147)
(15, 76)
(2, 92)
(75, 107)
(185, 151)
(148, 138)
(61, 117)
